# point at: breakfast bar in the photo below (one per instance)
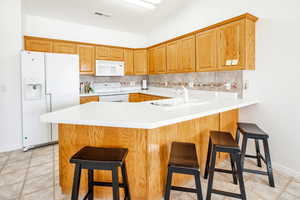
(147, 131)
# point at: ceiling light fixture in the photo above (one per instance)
(102, 14)
(142, 3)
(153, 1)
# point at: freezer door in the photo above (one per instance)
(34, 102)
(62, 82)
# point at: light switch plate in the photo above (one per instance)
(228, 62)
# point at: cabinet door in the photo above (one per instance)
(117, 54)
(160, 59)
(231, 41)
(187, 51)
(87, 59)
(151, 61)
(128, 59)
(172, 57)
(102, 53)
(84, 100)
(36, 44)
(64, 47)
(206, 51)
(140, 62)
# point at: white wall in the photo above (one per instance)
(57, 29)
(276, 80)
(10, 45)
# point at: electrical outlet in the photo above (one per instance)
(191, 84)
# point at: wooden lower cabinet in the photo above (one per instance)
(148, 152)
(138, 97)
(88, 99)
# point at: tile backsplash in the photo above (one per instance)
(230, 81)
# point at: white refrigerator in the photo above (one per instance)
(49, 82)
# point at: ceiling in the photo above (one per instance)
(124, 16)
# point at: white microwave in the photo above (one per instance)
(109, 68)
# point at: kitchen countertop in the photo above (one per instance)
(145, 115)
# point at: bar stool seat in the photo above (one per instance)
(95, 158)
(183, 160)
(252, 130)
(224, 142)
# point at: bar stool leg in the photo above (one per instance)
(233, 170)
(208, 159)
(198, 186)
(243, 152)
(257, 152)
(211, 174)
(240, 175)
(76, 182)
(168, 184)
(115, 183)
(91, 185)
(125, 181)
(237, 136)
(268, 162)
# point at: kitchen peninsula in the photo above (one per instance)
(147, 131)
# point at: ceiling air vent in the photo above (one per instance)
(102, 14)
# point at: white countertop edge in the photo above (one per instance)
(156, 124)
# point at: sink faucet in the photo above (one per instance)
(185, 93)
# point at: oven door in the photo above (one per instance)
(115, 98)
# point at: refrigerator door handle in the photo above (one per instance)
(49, 102)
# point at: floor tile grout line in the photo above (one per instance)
(26, 174)
(284, 189)
(5, 162)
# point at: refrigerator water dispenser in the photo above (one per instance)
(33, 90)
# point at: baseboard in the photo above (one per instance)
(285, 170)
(10, 148)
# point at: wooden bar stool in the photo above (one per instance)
(183, 160)
(252, 131)
(91, 158)
(224, 142)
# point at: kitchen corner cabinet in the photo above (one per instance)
(37, 44)
(157, 60)
(86, 59)
(206, 51)
(140, 62)
(64, 47)
(128, 60)
(88, 99)
(109, 53)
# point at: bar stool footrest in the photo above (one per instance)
(255, 157)
(255, 172)
(107, 184)
(226, 171)
(229, 194)
(184, 189)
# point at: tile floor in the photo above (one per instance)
(33, 175)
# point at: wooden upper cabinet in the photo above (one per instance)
(151, 61)
(140, 62)
(109, 53)
(128, 59)
(186, 56)
(231, 46)
(206, 51)
(160, 62)
(64, 47)
(172, 57)
(38, 44)
(87, 59)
